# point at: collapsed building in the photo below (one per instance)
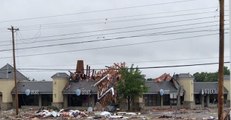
(85, 88)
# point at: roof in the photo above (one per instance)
(7, 72)
(41, 87)
(209, 86)
(83, 85)
(60, 75)
(154, 87)
(184, 75)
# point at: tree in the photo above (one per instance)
(131, 85)
(209, 77)
(226, 70)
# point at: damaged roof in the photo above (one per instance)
(154, 87)
(7, 72)
(207, 86)
(82, 85)
(42, 87)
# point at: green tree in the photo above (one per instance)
(131, 85)
(209, 77)
(226, 70)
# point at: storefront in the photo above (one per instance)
(80, 94)
(34, 93)
(205, 93)
(160, 94)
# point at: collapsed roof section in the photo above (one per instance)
(164, 82)
(102, 83)
(86, 87)
(163, 77)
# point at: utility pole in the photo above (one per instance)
(221, 63)
(12, 29)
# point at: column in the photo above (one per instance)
(207, 100)
(65, 101)
(40, 100)
(161, 101)
(202, 101)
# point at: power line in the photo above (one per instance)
(185, 65)
(95, 11)
(110, 20)
(148, 67)
(119, 32)
(106, 39)
(113, 46)
(133, 26)
(133, 62)
(176, 11)
(168, 60)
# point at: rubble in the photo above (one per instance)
(106, 80)
(62, 113)
(105, 114)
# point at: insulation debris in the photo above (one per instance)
(62, 113)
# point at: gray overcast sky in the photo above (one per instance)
(54, 34)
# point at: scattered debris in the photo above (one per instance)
(105, 114)
(62, 113)
(69, 114)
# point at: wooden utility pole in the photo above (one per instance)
(12, 29)
(221, 63)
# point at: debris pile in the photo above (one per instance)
(69, 114)
(80, 73)
(107, 80)
(64, 113)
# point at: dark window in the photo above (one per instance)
(46, 100)
(197, 98)
(152, 100)
(82, 100)
(30, 100)
(166, 99)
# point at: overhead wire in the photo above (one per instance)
(111, 33)
(111, 20)
(148, 67)
(94, 11)
(113, 46)
(136, 15)
(119, 32)
(133, 62)
(127, 27)
(107, 39)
